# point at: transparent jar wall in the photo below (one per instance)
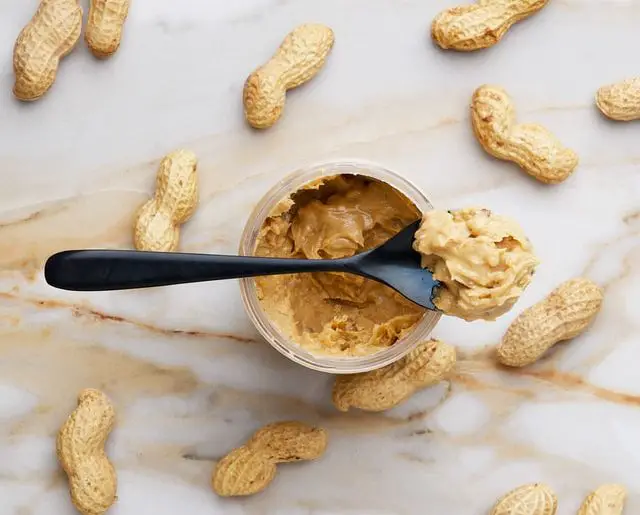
(330, 364)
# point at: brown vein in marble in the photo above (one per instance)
(35, 215)
(87, 221)
(399, 134)
(398, 108)
(167, 458)
(558, 108)
(411, 124)
(631, 218)
(618, 323)
(332, 125)
(503, 393)
(611, 6)
(627, 260)
(71, 366)
(568, 381)
(93, 314)
(411, 457)
(626, 160)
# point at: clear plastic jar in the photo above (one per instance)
(330, 364)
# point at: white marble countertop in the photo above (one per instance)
(187, 371)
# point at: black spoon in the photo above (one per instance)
(393, 263)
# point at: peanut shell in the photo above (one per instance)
(249, 469)
(298, 59)
(620, 101)
(532, 147)
(80, 450)
(531, 499)
(50, 35)
(388, 386)
(104, 26)
(157, 225)
(564, 314)
(481, 24)
(605, 500)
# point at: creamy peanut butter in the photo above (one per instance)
(484, 261)
(335, 313)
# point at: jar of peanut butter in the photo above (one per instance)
(333, 322)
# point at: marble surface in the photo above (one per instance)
(189, 374)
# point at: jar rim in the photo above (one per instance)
(280, 191)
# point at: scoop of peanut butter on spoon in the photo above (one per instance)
(483, 260)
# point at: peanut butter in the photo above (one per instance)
(484, 261)
(335, 313)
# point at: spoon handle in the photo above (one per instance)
(103, 270)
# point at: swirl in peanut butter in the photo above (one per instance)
(335, 313)
(483, 260)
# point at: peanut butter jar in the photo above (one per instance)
(335, 323)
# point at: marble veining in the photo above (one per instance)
(188, 373)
